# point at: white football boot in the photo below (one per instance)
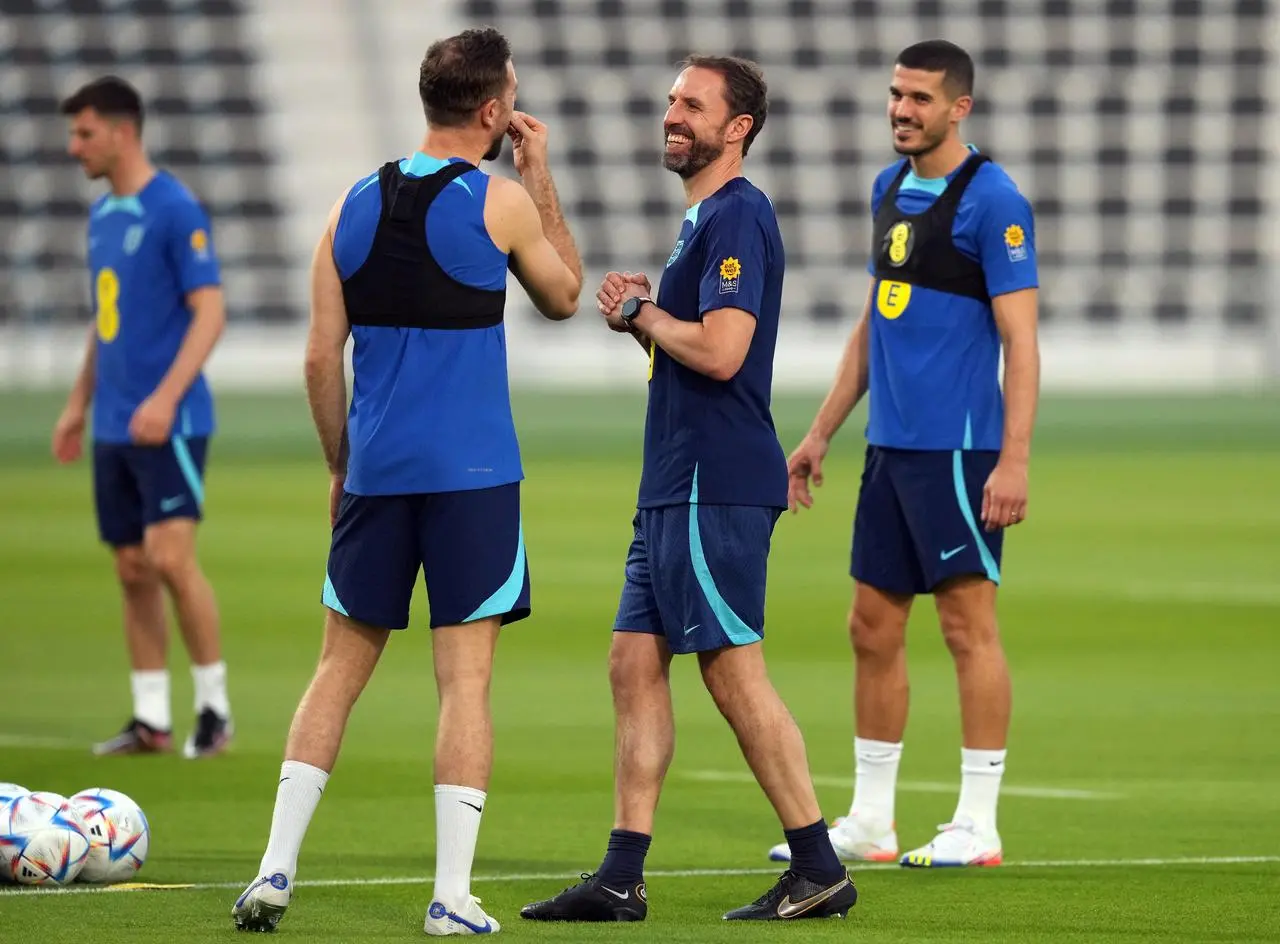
(855, 840)
(469, 919)
(957, 844)
(261, 906)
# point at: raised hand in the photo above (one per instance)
(529, 142)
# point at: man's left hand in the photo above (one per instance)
(1004, 497)
(152, 422)
(609, 300)
(617, 288)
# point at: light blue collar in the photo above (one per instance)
(418, 164)
(131, 204)
(930, 185)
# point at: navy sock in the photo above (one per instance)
(812, 855)
(623, 864)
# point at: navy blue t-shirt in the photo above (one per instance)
(147, 253)
(708, 440)
(430, 408)
(935, 357)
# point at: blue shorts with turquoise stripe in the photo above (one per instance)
(696, 575)
(135, 486)
(469, 546)
(919, 519)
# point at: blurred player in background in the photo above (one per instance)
(953, 281)
(425, 467)
(158, 307)
(713, 484)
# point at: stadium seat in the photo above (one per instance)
(1144, 180)
(191, 62)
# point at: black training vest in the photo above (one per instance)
(400, 284)
(919, 249)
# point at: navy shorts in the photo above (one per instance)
(696, 574)
(919, 519)
(469, 546)
(136, 486)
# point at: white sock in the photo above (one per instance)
(301, 787)
(458, 812)
(876, 780)
(151, 698)
(211, 688)
(980, 773)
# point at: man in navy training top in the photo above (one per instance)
(158, 312)
(425, 465)
(953, 281)
(713, 484)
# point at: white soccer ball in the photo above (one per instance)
(43, 840)
(8, 793)
(119, 835)
(11, 791)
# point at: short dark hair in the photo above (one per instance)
(110, 96)
(461, 73)
(938, 55)
(744, 89)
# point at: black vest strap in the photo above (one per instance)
(918, 249)
(400, 284)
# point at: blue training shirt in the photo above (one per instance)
(706, 440)
(935, 362)
(431, 408)
(147, 252)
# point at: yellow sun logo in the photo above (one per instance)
(1014, 237)
(730, 268)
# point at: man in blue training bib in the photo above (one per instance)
(425, 464)
(953, 283)
(158, 312)
(713, 484)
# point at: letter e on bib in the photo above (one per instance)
(892, 298)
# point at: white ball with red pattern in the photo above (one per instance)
(119, 835)
(43, 840)
(10, 792)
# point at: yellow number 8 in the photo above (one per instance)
(107, 290)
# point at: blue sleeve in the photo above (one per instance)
(878, 187)
(190, 246)
(1006, 241)
(735, 262)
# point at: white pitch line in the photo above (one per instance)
(912, 786)
(41, 891)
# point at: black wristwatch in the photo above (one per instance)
(631, 308)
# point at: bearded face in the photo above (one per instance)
(686, 153)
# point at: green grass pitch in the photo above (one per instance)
(1141, 612)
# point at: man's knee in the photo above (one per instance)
(967, 615)
(463, 656)
(171, 550)
(348, 655)
(637, 662)
(878, 623)
(735, 677)
(134, 570)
